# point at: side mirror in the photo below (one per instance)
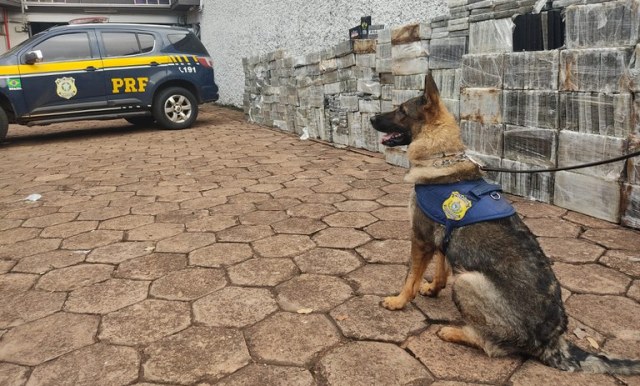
(33, 57)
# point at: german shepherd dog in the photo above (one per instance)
(505, 289)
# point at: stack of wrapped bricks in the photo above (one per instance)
(517, 110)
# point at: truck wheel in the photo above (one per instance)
(175, 108)
(4, 124)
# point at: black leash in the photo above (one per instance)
(622, 157)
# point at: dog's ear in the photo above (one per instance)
(431, 93)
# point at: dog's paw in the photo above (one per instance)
(430, 290)
(448, 334)
(393, 303)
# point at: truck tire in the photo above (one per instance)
(4, 124)
(175, 108)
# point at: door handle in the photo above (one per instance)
(154, 64)
(90, 68)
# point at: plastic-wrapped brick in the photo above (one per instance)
(481, 105)
(593, 196)
(631, 210)
(537, 186)
(447, 52)
(409, 82)
(531, 108)
(410, 66)
(598, 70)
(596, 113)
(410, 50)
(579, 148)
(531, 70)
(448, 82)
(611, 24)
(491, 36)
(480, 138)
(485, 70)
(410, 33)
(531, 145)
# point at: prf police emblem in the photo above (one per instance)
(66, 87)
(456, 206)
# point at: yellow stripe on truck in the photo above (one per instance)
(40, 68)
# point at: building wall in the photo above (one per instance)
(235, 29)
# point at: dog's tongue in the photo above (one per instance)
(388, 137)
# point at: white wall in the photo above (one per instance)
(233, 29)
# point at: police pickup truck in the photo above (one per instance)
(145, 74)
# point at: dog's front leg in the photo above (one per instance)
(439, 281)
(420, 259)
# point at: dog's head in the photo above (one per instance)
(405, 122)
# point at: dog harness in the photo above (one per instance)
(462, 203)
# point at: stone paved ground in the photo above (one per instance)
(233, 254)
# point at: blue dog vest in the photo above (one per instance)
(462, 203)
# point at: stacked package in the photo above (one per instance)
(409, 66)
(631, 189)
(596, 109)
(310, 114)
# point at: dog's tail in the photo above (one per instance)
(569, 357)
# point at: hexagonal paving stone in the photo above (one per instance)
(49, 220)
(534, 209)
(119, 252)
(277, 204)
(340, 238)
(399, 230)
(386, 251)
(316, 211)
(299, 225)
(364, 194)
(28, 248)
(93, 239)
(439, 309)
(47, 338)
(591, 278)
(107, 296)
(614, 238)
(220, 254)
(365, 318)
(570, 250)
(151, 267)
(156, 231)
(14, 283)
(394, 199)
(188, 284)
(371, 363)
(155, 208)
(623, 261)
(127, 222)
(234, 307)
(267, 375)
(263, 217)
(534, 373)
(196, 353)
(13, 374)
(552, 227)
(392, 213)
(145, 322)
(327, 261)
(262, 272)
(303, 336)
(264, 188)
(16, 235)
(47, 261)
(245, 233)
(70, 278)
(211, 224)
(357, 206)
(101, 214)
(98, 364)
(23, 307)
(588, 221)
(379, 279)
(634, 291)
(323, 198)
(6, 265)
(283, 245)
(350, 219)
(185, 242)
(69, 229)
(471, 365)
(232, 209)
(610, 315)
(316, 292)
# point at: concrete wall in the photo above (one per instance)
(235, 29)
